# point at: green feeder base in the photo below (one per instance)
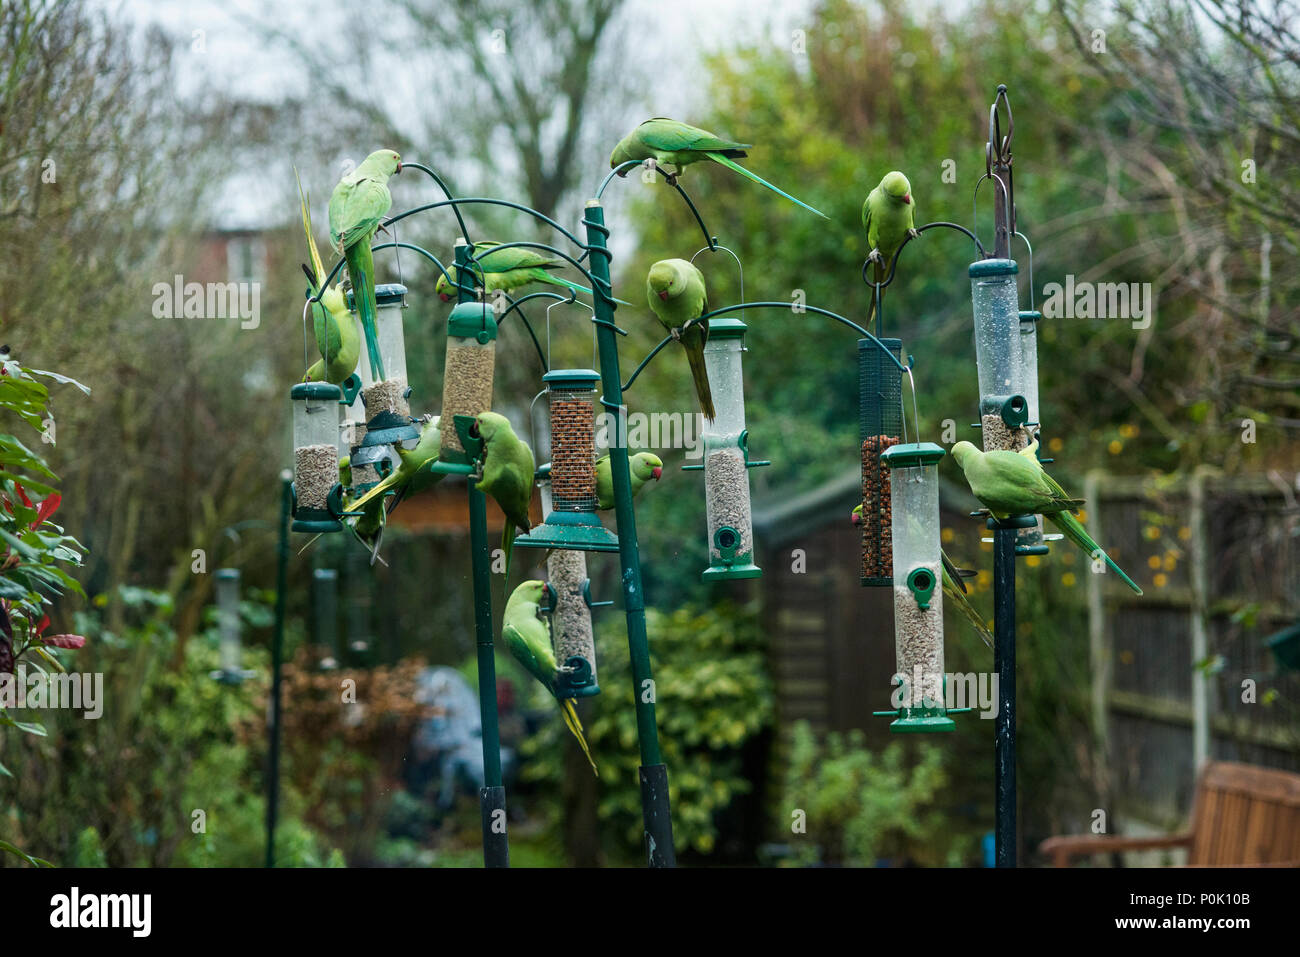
(328, 524)
(717, 573)
(575, 531)
(922, 724)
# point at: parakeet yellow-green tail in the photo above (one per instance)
(528, 636)
(668, 141)
(1012, 483)
(336, 335)
(889, 217)
(676, 293)
(507, 474)
(509, 269)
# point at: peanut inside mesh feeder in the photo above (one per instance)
(880, 397)
(726, 457)
(918, 591)
(316, 490)
(1003, 407)
(571, 630)
(571, 522)
(468, 370)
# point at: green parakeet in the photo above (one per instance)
(337, 338)
(889, 217)
(954, 589)
(357, 207)
(508, 269)
(668, 141)
(644, 466)
(1013, 483)
(528, 637)
(675, 291)
(410, 476)
(507, 474)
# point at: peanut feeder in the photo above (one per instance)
(880, 399)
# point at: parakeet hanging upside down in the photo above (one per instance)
(528, 637)
(644, 467)
(676, 293)
(1013, 483)
(668, 141)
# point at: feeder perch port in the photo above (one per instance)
(316, 490)
(880, 408)
(468, 370)
(726, 457)
(918, 601)
(571, 521)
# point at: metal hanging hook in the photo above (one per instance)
(1025, 240)
(975, 204)
(715, 247)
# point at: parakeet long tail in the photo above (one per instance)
(507, 544)
(700, 375)
(571, 719)
(361, 270)
(576, 287)
(952, 591)
(1070, 527)
(719, 158)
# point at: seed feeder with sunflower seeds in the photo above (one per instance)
(386, 398)
(468, 370)
(317, 495)
(571, 522)
(726, 457)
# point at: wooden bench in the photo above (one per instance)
(1242, 816)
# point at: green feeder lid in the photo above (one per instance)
(573, 379)
(385, 295)
(472, 320)
(315, 390)
(912, 455)
(987, 268)
(726, 328)
(227, 574)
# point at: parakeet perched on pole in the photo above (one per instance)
(954, 589)
(644, 466)
(357, 207)
(668, 141)
(675, 291)
(508, 269)
(529, 639)
(507, 474)
(336, 334)
(1012, 483)
(889, 217)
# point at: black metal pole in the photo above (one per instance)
(277, 653)
(1004, 663)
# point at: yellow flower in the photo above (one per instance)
(986, 546)
(1055, 444)
(1082, 516)
(1128, 431)
(1068, 579)
(1170, 561)
(1115, 447)
(1184, 533)
(947, 535)
(1160, 580)
(1032, 561)
(1151, 533)
(1153, 561)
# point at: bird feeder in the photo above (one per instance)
(1030, 540)
(229, 645)
(918, 591)
(468, 370)
(726, 457)
(325, 632)
(388, 411)
(316, 488)
(571, 631)
(572, 522)
(1003, 407)
(880, 399)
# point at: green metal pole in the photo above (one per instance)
(492, 796)
(277, 654)
(655, 809)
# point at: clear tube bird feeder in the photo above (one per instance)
(726, 457)
(325, 631)
(572, 522)
(387, 406)
(880, 398)
(1003, 407)
(1029, 541)
(918, 591)
(468, 370)
(316, 457)
(230, 650)
(571, 631)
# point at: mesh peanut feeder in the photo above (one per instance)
(880, 396)
(468, 370)
(1003, 407)
(571, 522)
(571, 631)
(316, 490)
(726, 458)
(918, 591)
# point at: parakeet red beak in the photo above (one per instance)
(663, 294)
(907, 198)
(856, 518)
(444, 297)
(656, 471)
(399, 167)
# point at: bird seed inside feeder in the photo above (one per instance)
(571, 630)
(877, 513)
(918, 637)
(573, 474)
(316, 470)
(361, 474)
(467, 384)
(387, 396)
(726, 480)
(998, 437)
